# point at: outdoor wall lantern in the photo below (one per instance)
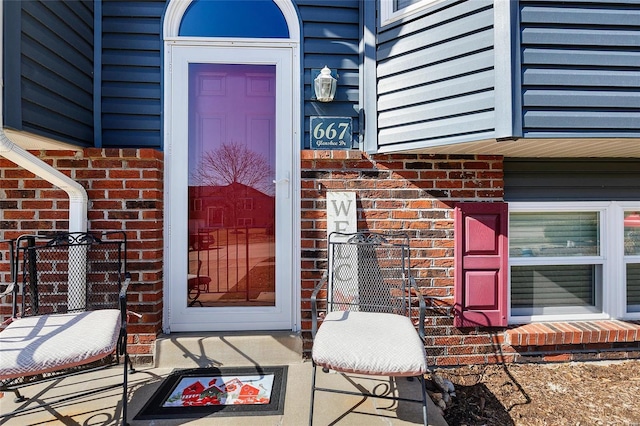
(325, 85)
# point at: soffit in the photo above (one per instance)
(543, 148)
(31, 142)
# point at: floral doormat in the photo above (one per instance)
(200, 392)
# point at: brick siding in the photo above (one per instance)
(125, 191)
(415, 193)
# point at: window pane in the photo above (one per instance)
(554, 234)
(401, 4)
(544, 286)
(633, 287)
(233, 18)
(632, 233)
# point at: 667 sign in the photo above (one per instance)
(331, 133)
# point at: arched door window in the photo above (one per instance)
(233, 18)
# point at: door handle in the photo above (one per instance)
(286, 181)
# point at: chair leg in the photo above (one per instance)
(313, 391)
(124, 388)
(19, 397)
(424, 399)
(126, 364)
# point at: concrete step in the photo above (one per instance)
(190, 350)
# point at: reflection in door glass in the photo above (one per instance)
(231, 246)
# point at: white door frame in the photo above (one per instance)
(284, 53)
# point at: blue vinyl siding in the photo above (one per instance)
(436, 78)
(576, 72)
(580, 68)
(330, 36)
(131, 69)
(49, 69)
(131, 73)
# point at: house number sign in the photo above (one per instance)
(331, 133)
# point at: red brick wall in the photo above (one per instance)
(410, 192)
(125, 190)
(415, 193)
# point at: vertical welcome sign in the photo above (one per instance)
(341, 212)
(343, 263)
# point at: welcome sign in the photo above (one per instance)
(342, 217)
(341, 212)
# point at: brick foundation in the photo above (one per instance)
(575, 341)
(125, 190)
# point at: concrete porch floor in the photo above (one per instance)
(188, 350)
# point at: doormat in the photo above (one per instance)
(220, 392)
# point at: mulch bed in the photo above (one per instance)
(594, 393)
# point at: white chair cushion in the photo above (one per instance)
(46, 343)
(369, 343)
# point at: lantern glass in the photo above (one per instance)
(325, 85)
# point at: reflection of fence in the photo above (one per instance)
(238, 260)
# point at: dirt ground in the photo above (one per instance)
(576, 394)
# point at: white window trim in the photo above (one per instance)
(614, 304)
(389, 16)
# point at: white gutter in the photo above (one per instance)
(78, 198)
(76, 192)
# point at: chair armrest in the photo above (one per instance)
(123, 298)
(314, 303)
(124, 288)
(8, 289)
(422, 307)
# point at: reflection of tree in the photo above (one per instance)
(234, 163)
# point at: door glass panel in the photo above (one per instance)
(231, 247)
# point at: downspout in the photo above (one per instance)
(78, 198)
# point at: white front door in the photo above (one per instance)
(230, 167)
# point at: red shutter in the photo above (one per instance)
(481, 262)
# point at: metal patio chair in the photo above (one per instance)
(197, 284)
(373, 306)
(69, 313)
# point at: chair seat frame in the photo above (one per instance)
(43, 269)
(406, 300)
